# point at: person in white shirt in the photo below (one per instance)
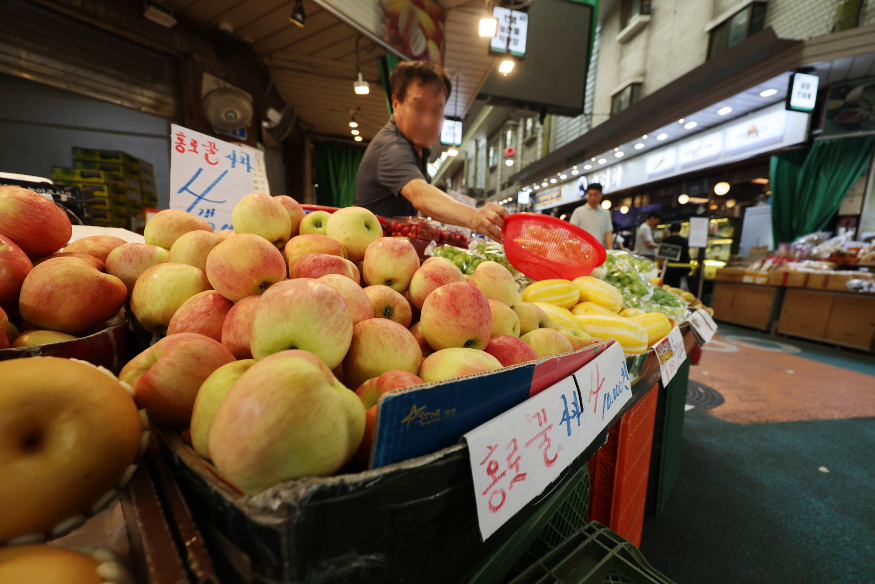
(644, 244)
(593, 219)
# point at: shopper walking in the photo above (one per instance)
(593, 219)
(644, 244)
(674, 275)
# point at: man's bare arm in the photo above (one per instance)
(438, 205)
(609, 240)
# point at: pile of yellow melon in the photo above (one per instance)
(596, 308)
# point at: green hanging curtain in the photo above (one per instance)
(808, 188)
(337, 165)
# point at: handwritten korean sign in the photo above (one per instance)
(671, 354)
(703, 326)
(208, 176)
(515, 456)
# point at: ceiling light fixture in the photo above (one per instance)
(606, 204)
(553, 180)
(360, 86)
(575, 171)
(544, 184)
(537, 187)
(355, 132)
(616, 149)
(721, 188)
(563, 176)
(690, 125)
(506, 66)
(684, 199)
(760, 181)
(353, 124)
(730, 203)
(298, 17)
(602, 160)
(662, 136)
(358, 138)
(624, 209)
(644, 137)
(768, 93)
(639, 146)
(452, 152)
(593, 159)
(563, 216)
(619, 154)
(724, 110)
(681, 121)
(488, 24)
(508, 162)
(587, 167)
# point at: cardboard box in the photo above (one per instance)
(78, 175)
(805, 313)
(837, 280)
(751, 277)
(788, 278)
(818, 280)
(729, 274)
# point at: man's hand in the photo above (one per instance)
(489, 220)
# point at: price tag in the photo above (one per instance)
(516, 455)
(208, 176)
(703, 326)
(671, 354)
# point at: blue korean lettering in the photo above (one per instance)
(198, 197)
(574, 414)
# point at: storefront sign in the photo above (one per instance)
(516, 455)
(758, 132)
(701, 150)
(662, 162)
(850, 109)
(513, 28)
(560, 195)
(451, 132)
(803, 92)
(671, 354)
(699, 231)
(703, 327)
(208, 176)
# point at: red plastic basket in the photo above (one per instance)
(619, 471)
(311, 208)
(544, 247)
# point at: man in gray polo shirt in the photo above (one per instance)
(392, 178)
(593, 219)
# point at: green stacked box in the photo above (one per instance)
(129, 181)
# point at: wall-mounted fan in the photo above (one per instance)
(228, 109)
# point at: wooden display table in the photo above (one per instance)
(842, 318)
(752, 305)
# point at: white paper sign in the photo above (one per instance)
(703, 326)
(698, 232)
(515, 456)
(208, 176)
(671, 354)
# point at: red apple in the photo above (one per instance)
(37, 338)
(390, 261)
(14, 267)
(434, 273)
(166, 226)
(496, 283)
(4, 330)
(311, 244)
(98, 246)
(457, 315)
(70, 295)
(423, 344)
(161, 290)
(237, 328)
(204, 314)
(318, 265)
(261, 214)
(379, 345)
(547, 342)
(33, 222)
(359, 304)
(510, 350)
(456, 362)
(225, 233)
(244, 265)
(192, 248)
(128, 262)
(369, 392)
(355, 228)
(302, 314)
(294, 209)
(166, 376)
(82, 256)
(388, 303)
(504, 320)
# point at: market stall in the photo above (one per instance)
(237, 451)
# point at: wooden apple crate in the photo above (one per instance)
(413, 521)
(107, 348)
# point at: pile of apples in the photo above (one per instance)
(266, 329)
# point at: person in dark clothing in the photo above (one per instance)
(673, 275)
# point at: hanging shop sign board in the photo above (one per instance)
(510, 37)
(662, 162)
(669, 251)
(451, 132)
(756, 133)
(802, 94)
(703, 327)
(516, 455)
(208, 176)
(699, 231)
(701, 150)
(671, 354)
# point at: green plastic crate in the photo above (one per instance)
(78, 175)
(593, 555)
(562, 515)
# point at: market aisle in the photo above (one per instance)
(753, 501)
(768, 379)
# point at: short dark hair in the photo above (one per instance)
(595, 186)
(674, 227)
(421, 72)
(654, 214)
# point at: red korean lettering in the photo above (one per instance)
(180, 142)
(545, 439)
(492, 506)
(514, 463)
(210, 150)
(193, 145)
(597, 384)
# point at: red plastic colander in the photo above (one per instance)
(544, 247)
